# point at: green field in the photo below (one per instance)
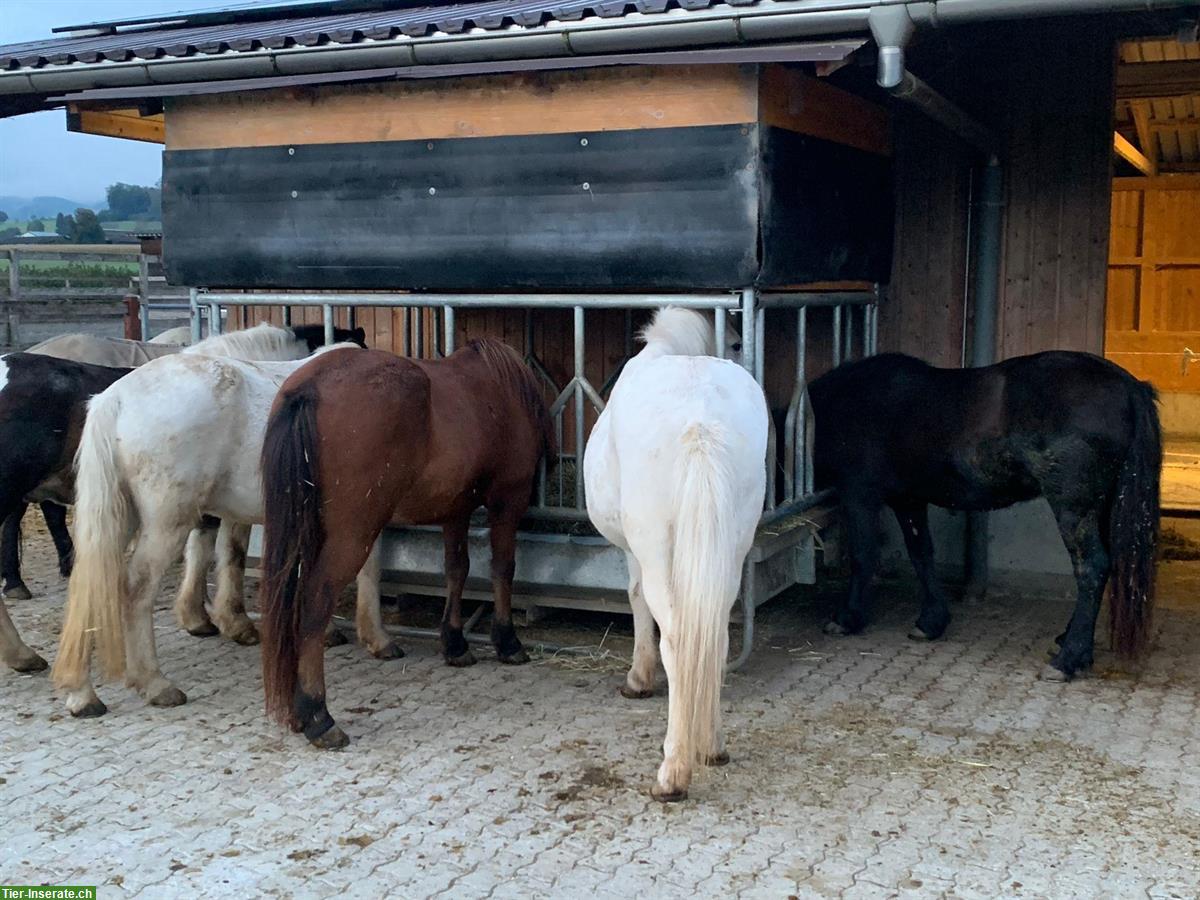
(47, 273)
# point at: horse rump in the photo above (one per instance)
(293, 535)
(1133, 527)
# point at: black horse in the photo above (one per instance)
(894, 431)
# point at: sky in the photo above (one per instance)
(38, 156)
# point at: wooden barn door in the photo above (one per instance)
(1152, 324)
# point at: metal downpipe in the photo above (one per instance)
(990, 215)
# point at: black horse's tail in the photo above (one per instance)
(293, 535)
(1133, 528)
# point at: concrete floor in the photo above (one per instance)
(862, 767)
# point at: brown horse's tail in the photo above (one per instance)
(293, 535)
(1133, 528)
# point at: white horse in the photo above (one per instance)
(150, 472)
(675, 474)
(180, 335)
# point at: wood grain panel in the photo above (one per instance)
(609, 99)
(796, 102)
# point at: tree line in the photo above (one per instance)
(126, 202)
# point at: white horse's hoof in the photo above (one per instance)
(91, 710)
(168, 696)
(29, 662)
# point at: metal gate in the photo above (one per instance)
(580, 569)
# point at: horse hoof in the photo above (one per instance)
(168, 696)
(514, 659)
(335, 638)
(333, 739)
(247, 637)
(92, 710)
(633, 694)
(208, 629)
(461, 662)
(916, 634)
(717, 759)
(1054, 674)
(31, 663)
(663, 796)
(17, 592)
(832, 627)
(390, 650)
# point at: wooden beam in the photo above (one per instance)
(1131, 154)
(121, 123)
(1158, 79)
(1140, 110)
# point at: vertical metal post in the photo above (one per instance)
(12, 320)
(837, 336)
(214, 319)
(448, 324)
(749, 349)
(194, 303)
(749, 605)
(143, 278)
(144, 317)
(866, 338)
(327, 318)
(579, 376)
(287, 317)
(849, 333)
(983, 342)
(719, 331)
(800, 445)
(760, 344)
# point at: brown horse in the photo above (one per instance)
(358, 440)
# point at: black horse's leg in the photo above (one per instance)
(935, 612)
(861, 520)
(457, 565)
(10, 554)
(56, 522)
(1081, 532)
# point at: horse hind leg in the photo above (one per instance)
(455, 649)
(229, 610)
(367, 619)
(935, 611)
(56, 523)
(158, 546)
(10, 555)
(503, 535)
(639, 682)
(862, 536)
(1082, 535)
(17, 655)
(193, 590)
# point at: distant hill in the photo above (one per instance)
(22, 208)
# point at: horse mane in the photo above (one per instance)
(262, 342)
(685, 332)
(508, 367)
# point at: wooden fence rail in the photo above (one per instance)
(72, 303)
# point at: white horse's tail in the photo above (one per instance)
(97, 584)
(705, 572)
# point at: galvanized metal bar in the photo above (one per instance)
(327, 318)
(448, 325)
(849, 314)
(214, 319)
(760, 343)
(749, 597)
(580, 378)
(772, 457)
(866, 336)
(749, 296)
(144, 317)
(287, 316)
(486, 301)
(719, 332)
(820, 298)
(803, 450)
(837, 336)
(194, 304)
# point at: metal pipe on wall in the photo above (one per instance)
(990, 216)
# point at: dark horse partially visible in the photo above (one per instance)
(1071, 427)
(358, 440)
